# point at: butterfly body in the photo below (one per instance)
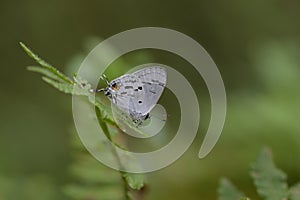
(136, 94)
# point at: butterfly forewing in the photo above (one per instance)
(139, 92)
(126, 91)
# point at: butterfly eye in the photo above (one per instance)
(114, 86)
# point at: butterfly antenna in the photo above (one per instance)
(104, 78)
(97, 90)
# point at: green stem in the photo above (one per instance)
(108, 135)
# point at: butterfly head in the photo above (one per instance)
(111, 89)
(107, 92)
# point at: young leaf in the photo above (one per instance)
(77, 87)
(45, 65)
(135, 181)
(295, 192)
(44, 72)
(227, 191)
(66, 87)
(63, 87)
(269, 181)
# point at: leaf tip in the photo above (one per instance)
(23, 45)
(26, 49)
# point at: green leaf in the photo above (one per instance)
(66, 87)
(44, 72)
(227, 191)
(103, 192)
(130, 196)
(295, 192)
(135, 181)
(77, 87)
(89, 171)
(45, 65)
(105, 112)
(92, 181)
(63, 87)
(270, 182)
(80, 87)
(102, 124)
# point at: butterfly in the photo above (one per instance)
(137, 93)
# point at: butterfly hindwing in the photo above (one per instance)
(154, 81)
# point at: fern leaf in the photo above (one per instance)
(63, 87)
(91, 179)
(269, 180)
(295, 192)
(43, 71)
(227, 191)
(45, 65)
(93, 192)
(90, 171)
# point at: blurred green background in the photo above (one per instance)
(255, 44)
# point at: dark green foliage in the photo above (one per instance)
(294, 193)
(270, 182)
(92, 180)
(227, 191)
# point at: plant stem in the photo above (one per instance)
(108, 135)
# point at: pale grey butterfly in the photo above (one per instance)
(137, 93)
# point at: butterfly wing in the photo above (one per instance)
(139, 92)
(153, 81)
(127, 92)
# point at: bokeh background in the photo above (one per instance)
(255, 44)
